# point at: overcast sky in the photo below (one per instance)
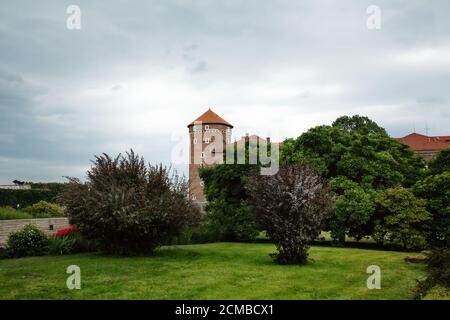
(139, 71)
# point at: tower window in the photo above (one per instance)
(203, 155)
(195, 141)
(207, 127)
(206, 140)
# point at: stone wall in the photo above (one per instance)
(48, 225)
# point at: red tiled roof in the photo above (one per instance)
(420, 142)
(210, 117)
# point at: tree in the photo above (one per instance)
(436, 190)
(292, 207)
(360, 124)
(229, 218)
(361, 160)
(441, 163)
(353, 210)
(401, 219)
(373, 161)
(127, 207)
(438, 272)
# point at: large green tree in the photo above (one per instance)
(229, 217)
(435, 188)
(361, 160)
(441, 163)
(376, 161)
(353, 210)
(401, 218)
(360, 124)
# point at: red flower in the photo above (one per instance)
(65, 231)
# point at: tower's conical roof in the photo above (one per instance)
(210, 117)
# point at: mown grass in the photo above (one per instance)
(212, 271)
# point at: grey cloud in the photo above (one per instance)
(139, 70)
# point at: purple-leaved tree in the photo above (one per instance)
(292, 207)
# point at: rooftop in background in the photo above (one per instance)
(210, 117)
(426, 146)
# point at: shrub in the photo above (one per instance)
(437, 293)
(44, 209)
(401, 219)
(441, 162)
(229, 218)
(9, 213)
(353, 210)
(59, 245)
(29, 241)
(435, 189)
(127, 207)
(4, 254)
(227, 222)
(292, 207)
(438, 271)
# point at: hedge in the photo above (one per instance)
(25, 198)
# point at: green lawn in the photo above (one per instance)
(8, 213)
(212, 271)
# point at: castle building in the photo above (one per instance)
(209, 135)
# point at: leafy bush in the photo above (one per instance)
(4, 253)
(353, 210)
(44, 209)
(128, 207)
(292, 207)
(441, 163)
(226, 222)
(229, 217)
(29, 241)
(438, 271)
(401, 219)
(9, 213)
(437, 293)
(436, 189)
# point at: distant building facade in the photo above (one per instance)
(203, 131)
(206, 150)
(426, 147)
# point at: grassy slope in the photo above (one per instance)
(211, 271)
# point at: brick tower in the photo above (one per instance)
(208, 134)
